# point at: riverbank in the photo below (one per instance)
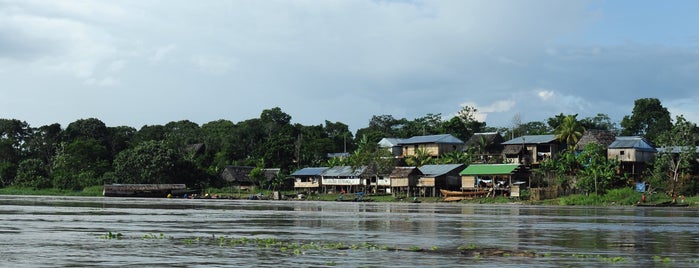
(616, 197)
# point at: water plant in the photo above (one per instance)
(111, 235)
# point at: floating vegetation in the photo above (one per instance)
(661, 259)
(111, 235)
(496, 252)
(300, 248)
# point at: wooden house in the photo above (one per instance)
(633, 152)
(308, 179)
(486, 146)
(497, 178)
(343, 178)
(434, 145)
(531, 150)
(438, 177)
(392, 145)
(404, 180)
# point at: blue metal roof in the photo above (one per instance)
(343, 171)
(389, 142)
(309, 171)
(674, 149)
(442, 138)
(438, 170)
(532, 139)
(632, 142)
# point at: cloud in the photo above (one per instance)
(405, 58)
(545, 95)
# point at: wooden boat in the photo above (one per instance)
(463, 194)
(663, 204)
(145, 190)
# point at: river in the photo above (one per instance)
(47, 231)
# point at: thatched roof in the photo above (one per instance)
(603, 137)
(239, 174)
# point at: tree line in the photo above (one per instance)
(87, 152)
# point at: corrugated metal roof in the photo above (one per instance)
(496, 169)
(673, 149)
(438, 170)
(389, 142)
(532, 139)
(632, 142)
(442, 138)
(343, 171)
(309, 171)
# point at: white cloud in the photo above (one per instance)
(545, 94)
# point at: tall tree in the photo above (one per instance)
(378, 161)
(648, 119)
(381, 126)
(535, 128)
(678, 152)
(13, 136)
(601, 122)
(91, 128)
(148, 162)
(597, 173)
(569, 131)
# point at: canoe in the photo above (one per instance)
(663, 204)
(447, 193)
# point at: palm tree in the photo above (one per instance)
(420, 158)
(569, 131)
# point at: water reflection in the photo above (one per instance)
(68, 231)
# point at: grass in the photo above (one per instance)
(88, 191)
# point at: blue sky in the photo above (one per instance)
(141, 63)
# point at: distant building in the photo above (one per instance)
(531, 150)
(633, 152)
(434, 145)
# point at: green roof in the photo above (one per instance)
(497, 169)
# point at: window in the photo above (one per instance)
(621, 152)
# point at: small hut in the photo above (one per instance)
(497, 178)
(404, 180)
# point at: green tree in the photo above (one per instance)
(91, 128)
(648, 119)
(427, 125)
(13, 138)
(180, 134)
(378, 161)
(44, 142)
(535, 128)
(420, 158)
(569, 131)
(601, 122)
(676, 155)
(455, 157)
(597, 173)
(79, 164)
(33, 173)
(557, 120)
(148, 162)
(381, 126)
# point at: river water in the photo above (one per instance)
(133, 232)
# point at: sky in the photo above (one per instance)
(135, 63)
